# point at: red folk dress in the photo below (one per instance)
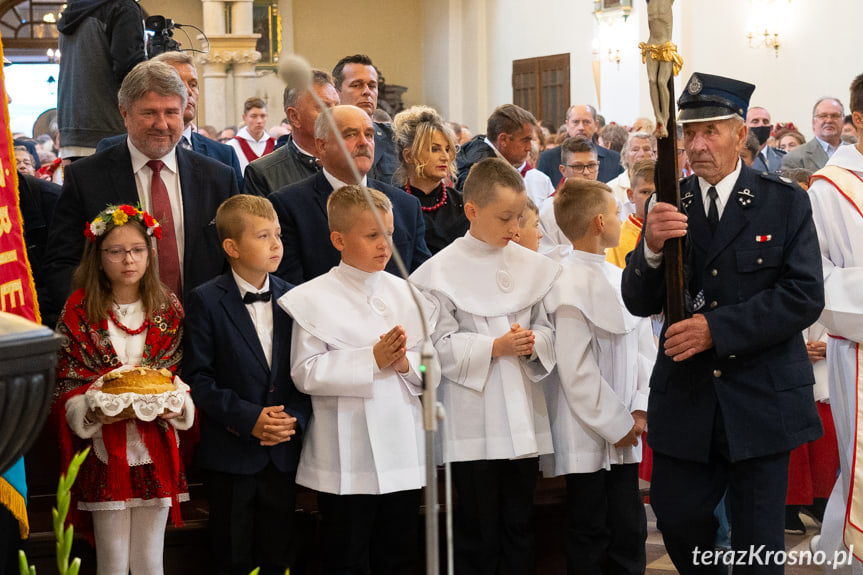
(88, 354)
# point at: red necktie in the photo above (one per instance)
(169, 257)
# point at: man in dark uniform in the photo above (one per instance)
(731, 391)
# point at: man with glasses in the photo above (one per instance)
(827, 119)
(578, 160)
(581, 122)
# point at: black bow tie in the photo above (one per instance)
(253, 297)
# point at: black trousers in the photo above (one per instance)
(252, 521)
(685, 493)
(494, 516)
(362, 534)
(607, 525)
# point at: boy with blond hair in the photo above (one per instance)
(640, 189)
(355, 351)
(237, 363)
(597, 396)
(529, 234)
(495, 344)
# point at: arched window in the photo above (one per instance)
(29, 27)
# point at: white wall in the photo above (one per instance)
(456, 55)
(816, 58)
(818, 54)
(479, 39)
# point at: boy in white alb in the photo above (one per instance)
(597, 396)
(495, 344)
(355, 351)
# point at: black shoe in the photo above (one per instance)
(793, 523)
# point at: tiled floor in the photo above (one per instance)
(658, 562)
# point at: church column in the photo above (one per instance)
(245, 78)
(229, 67)
(215, 88)
(225, 99)
(286, 13)
(241, 17)
(214, 16)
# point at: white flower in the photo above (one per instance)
(97, 227)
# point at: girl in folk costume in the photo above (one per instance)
(121, 315)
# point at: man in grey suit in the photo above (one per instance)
(767, 159)
(295, 160)
(827, 119)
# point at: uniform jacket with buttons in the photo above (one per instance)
(757, 281)
(386, 160)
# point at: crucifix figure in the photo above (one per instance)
(658, 60)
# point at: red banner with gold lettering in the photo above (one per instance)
(17, 290)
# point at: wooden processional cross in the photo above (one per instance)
(663, 63)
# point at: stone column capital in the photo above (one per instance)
(232, 49)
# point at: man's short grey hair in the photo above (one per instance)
(322, 125)
(588, 106)
(151, 76)
(174, 58)
(635, 136)
(824, 98)
(291, 95)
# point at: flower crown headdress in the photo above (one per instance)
(786, 126)
(119, 215)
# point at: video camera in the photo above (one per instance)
(163, 36)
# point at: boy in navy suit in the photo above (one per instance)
(252, 417)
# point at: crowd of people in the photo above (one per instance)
(250, 263)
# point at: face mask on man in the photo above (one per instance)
(762, 133)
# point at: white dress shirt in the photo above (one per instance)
(261, 313)
(337, 183)
(171, 176)
(257, 146)
(723, 191)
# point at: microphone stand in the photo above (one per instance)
(432, 410)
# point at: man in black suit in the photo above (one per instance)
(731, 391)
(356, 79)
(295, 161)
(302, 207)
(191, 140)
(149, 169)
(581, 121)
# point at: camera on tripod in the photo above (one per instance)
(162, 39)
